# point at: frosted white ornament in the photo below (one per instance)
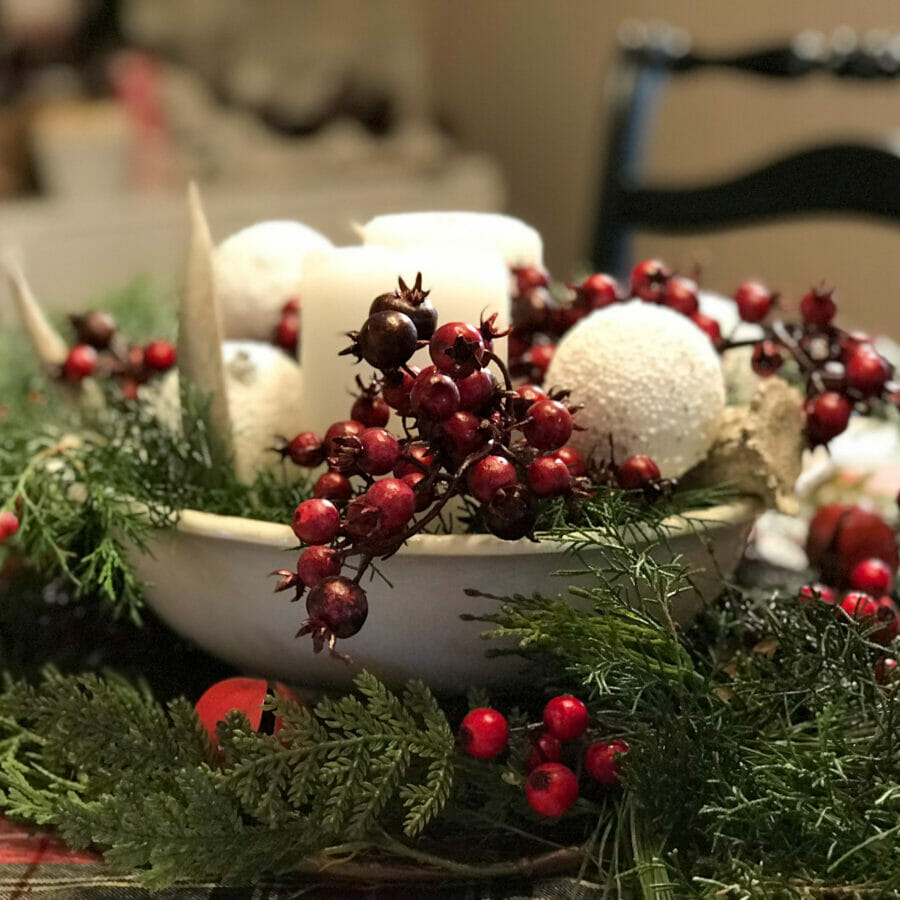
(648, 378)
(256, 271)
(519, 244)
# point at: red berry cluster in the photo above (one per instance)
(855, 552)
(463, 433)
(9, 525)
(841, 371)
(551, 786)
(101, 351)
(287, 331)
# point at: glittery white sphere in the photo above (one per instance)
(648, 378)
(256, 271)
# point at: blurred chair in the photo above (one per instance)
(842, 177)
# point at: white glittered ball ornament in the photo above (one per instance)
(256, 271)
(649, 379)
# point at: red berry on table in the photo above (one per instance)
(866, 370)
(682, 295)
(395, 500)
(551, 790)
(483, 733)
(9, 525)
(566, 717)
(649, 279)
(457, 349)
(80, 363)
(316, 521)
(316, 563)
(488, 475)
(873, 576)
(601, 761)
(397, 387)
(544, 748)
(370, 410)
(549, 425)
(573, 460)
(333, 486)
(348, 428)
(599, 291)
(305, 449)
(637, 472)
(827, 416)
(818, 307)
(817, 592)
(754, 300)
(476, 390)
(708, 325)
(549, 476)
(766, 359)
(434, 395)
(378, 451)
(159, 355)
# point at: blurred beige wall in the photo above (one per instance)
(524, 80)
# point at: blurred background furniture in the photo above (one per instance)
(846, 177)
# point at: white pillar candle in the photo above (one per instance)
(519, 244)
(339, 285)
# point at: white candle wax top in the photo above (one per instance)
(339, 285)
(519, 244)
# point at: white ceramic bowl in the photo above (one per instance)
(208, 580)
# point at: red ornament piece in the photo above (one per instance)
(245, 695)
(80, 363)
(287, 332)
(601, 761)
(488, 475)
(649, 279)
(637, 472)
(566, 717)
(9, 525)
(159, 355)
(754, 300)
(551, 790)
(316, 521)
(873, 576)
(818, 307)
(483, 733)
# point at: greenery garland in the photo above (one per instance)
(764, 761)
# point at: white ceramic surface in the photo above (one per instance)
(208, 579)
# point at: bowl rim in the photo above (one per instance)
(236, 529)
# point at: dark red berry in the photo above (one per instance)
(649, 279)
(130, 388)
(423, 490)
(549, 425)
(287, 332)
(397, 387)
(637, 472)
(817, 592)
(412, 302)
(601, 761)
(434, 395)
(462, 434)
(862, 608)
(566, 717)
(337, 430)
(767, 358)
(526, 395)
(754, 300)
(476, 390)
(873, 576)
(549, 476)
(866, 371)
(551, 790)
(530, 277)
(370, 410)
(539, 358)
(333, 486)
(306, 449)
(395, 500)
(598, 291)
(316, 563)
(573, 460)
(709, 326)
(488, 475)
(888, 615)
(544, 748)
(159, 355)
(511, 513)
(9, 525)
(80, 363)
(818, 307)
(885, 670)
(827, 416)
(95, 328)
(378, 451)
(337, 608)
(413, 458)
(682, 295)
(387, 339)
(483, 733)
(457, 349)
(316, 521)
